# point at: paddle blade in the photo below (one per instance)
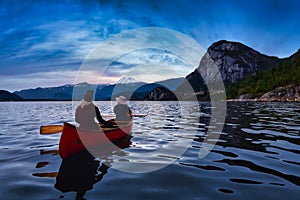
(51, 129)
(139, 115)
(133, 115)
(46, 174)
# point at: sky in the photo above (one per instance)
(44, 43)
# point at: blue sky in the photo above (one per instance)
(43, 43)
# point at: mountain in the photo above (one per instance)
(128, 87)
(125, 80)
(114, 90)
(235, 62)
(172, 84)
(39, 93)
(7, 96)
(160, 94)
(281, 83)
(244, 71)
(135, 90)
(64, 92)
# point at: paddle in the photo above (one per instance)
(52, 129)
(133, 115)
(46, 174)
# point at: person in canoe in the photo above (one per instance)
(122, 110)
(87, 111)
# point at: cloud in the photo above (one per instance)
(42, 33)
(44, 36)
(155, 57)
(123, 53)
(39, 79)
(52, 78)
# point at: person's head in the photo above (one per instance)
(89, 96)
(121, 100)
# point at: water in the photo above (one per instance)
(256, 156)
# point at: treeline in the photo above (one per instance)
(264, 81)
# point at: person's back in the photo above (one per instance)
(122, 110)
(85, 116)
(86, 113)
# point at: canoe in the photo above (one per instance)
(74, 139)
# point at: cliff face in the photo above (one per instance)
(235, 62)
(160, 94)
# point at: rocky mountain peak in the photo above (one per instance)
(237, 61)
(233, 60)
(224, 45)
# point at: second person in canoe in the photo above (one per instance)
(122, 110)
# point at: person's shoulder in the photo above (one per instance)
(94, 106)
(123, 106)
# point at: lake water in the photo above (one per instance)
(256, 157)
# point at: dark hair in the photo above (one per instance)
(89, 95)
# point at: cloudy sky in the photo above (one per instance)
(44, 43)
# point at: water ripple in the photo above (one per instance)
(257, 154)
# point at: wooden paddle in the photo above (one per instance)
(133, 115)
(46, 174)
(52, 129)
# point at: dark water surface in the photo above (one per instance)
(256, 156)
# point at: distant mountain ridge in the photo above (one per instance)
(128, 87)
(7, 96)
(63, 92)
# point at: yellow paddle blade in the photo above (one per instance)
(51, 129)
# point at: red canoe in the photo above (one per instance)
(74, 140)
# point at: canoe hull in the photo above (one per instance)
(74, 140)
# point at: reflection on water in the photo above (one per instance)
(270, 130)
(79, 173)
(257, 154)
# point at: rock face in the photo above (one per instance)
(161, 94)
(288, 93)
(245, 97)
(235, 62)
(7, 96)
